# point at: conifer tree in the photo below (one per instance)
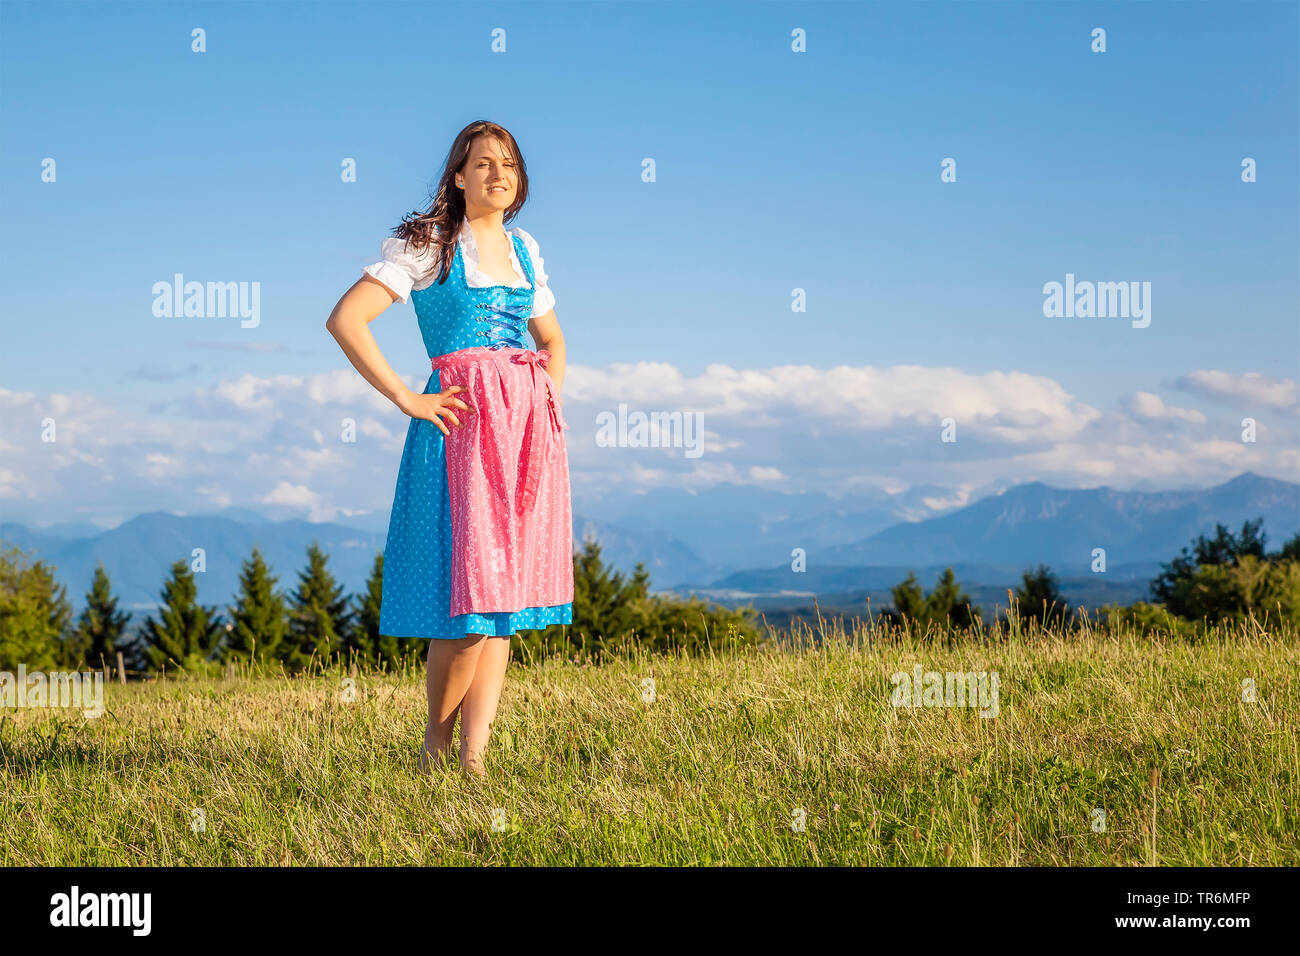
(259, 617)
(100, 629)
(944, 607)
(387, 648)
(611, 607)
(34, 613)
(1223, 550)
(366, 641)
(909, 601)
(1290, 549)
(606, 604)
(1039, 597)
(185, 632)
(320, 616)
(948, 605)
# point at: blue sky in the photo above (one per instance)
(775, 170)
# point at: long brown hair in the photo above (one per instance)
(439, 225)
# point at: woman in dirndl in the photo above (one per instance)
(480, 537)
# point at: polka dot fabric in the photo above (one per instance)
(493, 555)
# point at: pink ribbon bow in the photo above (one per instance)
(533, 469)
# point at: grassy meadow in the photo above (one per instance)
(789, 753)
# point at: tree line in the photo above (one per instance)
(1223, 577)
(315, 620)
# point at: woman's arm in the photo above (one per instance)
(349, 323)
(546, 333)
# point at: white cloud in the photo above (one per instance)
(1249, 389)
(9, 483)
(345, 387)
(250, 393)
(1150, 407)
(959, 498)
(301, 497)
(217, 496)
(1016, 405)
(161, 466)
(278, 441)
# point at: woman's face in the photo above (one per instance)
(489, 176)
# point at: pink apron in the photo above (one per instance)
(508, 478)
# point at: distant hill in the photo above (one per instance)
(732, 526)
(669, 560)
(991, 542)
(1060, 527)
(845, 592)
(734, 543)
(138, 553)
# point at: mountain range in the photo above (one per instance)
(732, 543)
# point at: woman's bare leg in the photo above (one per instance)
(449, 671)
(479, 708)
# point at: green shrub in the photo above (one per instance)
(1148, 619)
(34, 614)
(612, 610)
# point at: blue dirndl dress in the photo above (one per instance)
(416, 598)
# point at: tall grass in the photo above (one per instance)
(790, 752)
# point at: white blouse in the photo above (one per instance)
(403, 271)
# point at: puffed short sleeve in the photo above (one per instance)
(399, 269)
(543, 298)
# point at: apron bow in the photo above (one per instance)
(533, 470)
